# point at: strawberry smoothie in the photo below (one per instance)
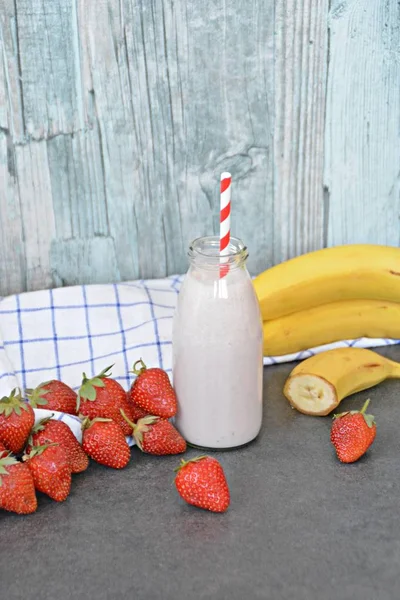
(217, 350)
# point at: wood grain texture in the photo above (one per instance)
(12, 251)
(118, 116)
(300, 85)
(362, 165)
(121, 115)
(37, 214)
(176, 106)
(49, 58)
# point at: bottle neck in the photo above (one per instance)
(204, 254)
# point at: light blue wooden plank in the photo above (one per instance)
(176, 106)
(37, 212)
(363, 135)
(77, 182)
(301, 52)
(11, 113)
(81, 261)
(50, 67)
(12, 249)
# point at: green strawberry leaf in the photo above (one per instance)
(106, 372)
(97, 382)
(87, 391)
(370, 420)
(36, 396)
(12, 403)
(41, 402)
(7, 461)
(38, 450)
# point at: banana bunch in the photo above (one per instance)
(333, 294)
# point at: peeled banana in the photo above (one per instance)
(348, 319)
(359, 271)
(318, 384)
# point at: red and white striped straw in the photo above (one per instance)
(225, 221)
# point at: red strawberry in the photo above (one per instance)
(135, 411)
(201, 482)
(17, 490)
(157, 436)
(16, 421)
(352, 434)
(50, 431)
(53, 395)
(103, 397)
(50, 470)
(152, 391)
(104, 441)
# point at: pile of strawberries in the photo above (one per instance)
(43, 456)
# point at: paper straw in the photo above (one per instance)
(225, 221)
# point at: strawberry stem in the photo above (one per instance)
(130, 423)
(137, 371)
(140, 427)
(364, 408)
(39, 426)
(38, 450)
(87, 422)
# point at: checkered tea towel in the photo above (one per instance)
(63, 332)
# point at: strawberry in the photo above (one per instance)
(17, 490)
(16, 421)
(104, 441)
(53, 395)
(136, 412)
(157, 436)
(352, 434)
(103, 397)
(50, 431)
(152, 391)
(133, 412)
(201, 482)
(50, 470)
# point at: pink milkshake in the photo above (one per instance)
(218, 350)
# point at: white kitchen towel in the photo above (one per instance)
(63, 332)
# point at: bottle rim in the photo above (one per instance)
(204, 251)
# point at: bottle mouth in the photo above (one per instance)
(204, 251)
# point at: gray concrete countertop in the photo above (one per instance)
(301, 526)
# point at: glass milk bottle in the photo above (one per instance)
(218, 349)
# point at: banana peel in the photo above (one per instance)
(317, 385)
(344, 320)
(350, 272)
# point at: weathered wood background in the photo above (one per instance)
(117, 117)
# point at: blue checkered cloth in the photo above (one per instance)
(63, 332)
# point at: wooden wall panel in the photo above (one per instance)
(362, 161)
(117, 117)
(301, 55)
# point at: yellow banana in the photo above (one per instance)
(360, 271)
(317, 385)
(345, 320)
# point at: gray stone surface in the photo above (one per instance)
(301, 526)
